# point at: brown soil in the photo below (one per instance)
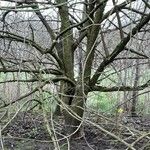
(28, 132)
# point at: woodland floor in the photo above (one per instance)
(28, 132)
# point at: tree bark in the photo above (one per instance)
(73, 111)
(135, 99)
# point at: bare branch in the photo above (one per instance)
(119, 48)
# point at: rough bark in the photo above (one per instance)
(73, 111)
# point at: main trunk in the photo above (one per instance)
(73, 111)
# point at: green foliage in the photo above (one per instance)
(142, 105)
(102, 102)
(49, 101)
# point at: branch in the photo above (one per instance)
(24, 96)
(44, 71)
(54, 80)
(84, 32)
(14, 37)
(36, 89)
(135, 52)
(45, 23)
(121, 88)
(119, 48)
(27, 1)
(120, 6)
(126, 58)
(136, 11)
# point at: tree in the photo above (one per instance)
(74, 40)
(134, 100)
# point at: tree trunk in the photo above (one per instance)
(135, 99)
(60, 92)
(73, 112)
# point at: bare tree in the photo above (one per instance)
(36, 41)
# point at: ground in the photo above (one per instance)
(27, 131)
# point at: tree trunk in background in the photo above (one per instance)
(60, 92)
(125, 83)
(57, 110)
(134, 97)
